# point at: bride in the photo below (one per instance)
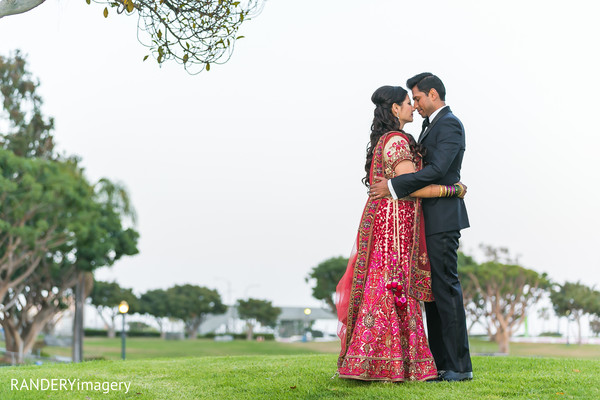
(388, 274)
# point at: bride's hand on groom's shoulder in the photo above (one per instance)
(379, 189)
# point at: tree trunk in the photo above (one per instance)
(192, 328)
(111, 331)
(161, 328)
(192, 332)
(18, 344)
(471, 325)
(249, 332)
(110, 326)
(13, 342)
(34, 329)
(503, 340)
(77, 353)
(331, 305)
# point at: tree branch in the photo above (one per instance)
(12, 7)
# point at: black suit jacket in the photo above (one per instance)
(445, 143)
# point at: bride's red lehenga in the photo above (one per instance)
(377, 299)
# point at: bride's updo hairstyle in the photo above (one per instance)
(384, 121)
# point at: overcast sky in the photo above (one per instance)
(246, 177)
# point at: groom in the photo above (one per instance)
(443, 136)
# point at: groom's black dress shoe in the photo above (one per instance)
(453, 376)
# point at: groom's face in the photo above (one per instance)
(423, 103)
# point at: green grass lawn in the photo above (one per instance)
(140, 348)
(305, 376)
(592, 351)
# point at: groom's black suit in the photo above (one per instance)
(444, 140)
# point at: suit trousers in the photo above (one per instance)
(446, 321)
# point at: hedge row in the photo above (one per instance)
(238, 336)
(104, 332)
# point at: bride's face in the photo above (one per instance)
(405, 112)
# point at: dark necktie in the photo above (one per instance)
(424, 127)
(425, 124)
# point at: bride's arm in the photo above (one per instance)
(457, 190)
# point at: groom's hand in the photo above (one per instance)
(379, 189)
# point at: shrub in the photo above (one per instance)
(104, 333)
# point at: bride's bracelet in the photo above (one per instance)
(451, 190)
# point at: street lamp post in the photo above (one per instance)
(307, 312)
(123, 308)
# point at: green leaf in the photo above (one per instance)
(105, 12)
(240, 37)
(159, 34)
(88, 1)
(145, 58)
(185, 58)
(208, 66)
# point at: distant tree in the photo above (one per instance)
(593, 307)
(504, 293)
(595, 326)
(192, 304)
(52, 230)
(25, 130)
(37, 198)
(474, 303)
(140, 326)
(55, 228)
(326, 276)
(194, 33)
(44, 205)
(104, 240)
(544, 314)
(106, 296)
(594, 310)
(498, 254)
(255, 311)
(36, 194)
(33, 309)
(573, 300)
(155, 303)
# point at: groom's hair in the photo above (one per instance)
(426, 81)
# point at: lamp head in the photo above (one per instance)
(123, 307)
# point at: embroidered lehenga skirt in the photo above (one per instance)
(388, 342)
